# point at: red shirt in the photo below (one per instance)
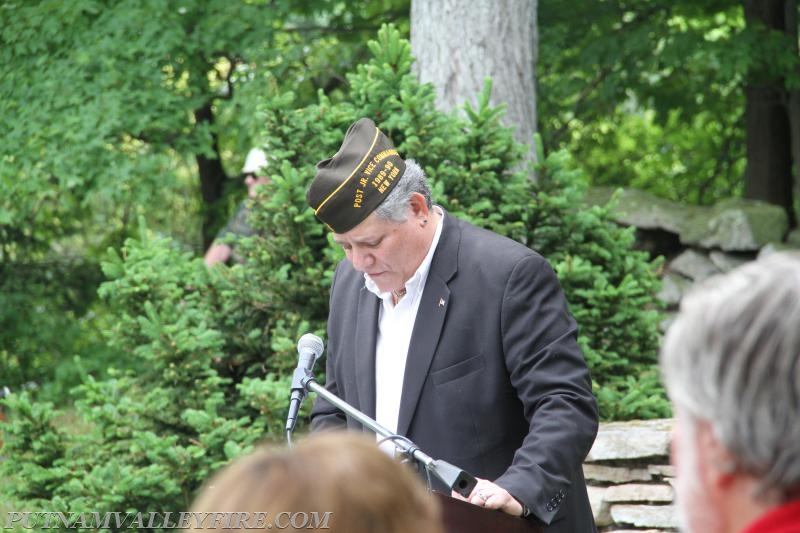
(782, 519)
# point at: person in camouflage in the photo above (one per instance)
(238, 225)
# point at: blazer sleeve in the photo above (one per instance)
(552, 381)
(324, 415)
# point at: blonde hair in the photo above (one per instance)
(337, 479)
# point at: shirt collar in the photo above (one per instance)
(414, 284)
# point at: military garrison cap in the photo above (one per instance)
(352, 183)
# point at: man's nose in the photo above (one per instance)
(361, 259)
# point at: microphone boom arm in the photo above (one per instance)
(457, 479)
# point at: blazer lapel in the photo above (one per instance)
(430, 319)
(366, 336)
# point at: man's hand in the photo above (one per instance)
(487, 494)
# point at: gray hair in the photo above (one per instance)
(732, 359)
(395, 207)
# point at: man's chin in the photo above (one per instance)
(381, 281)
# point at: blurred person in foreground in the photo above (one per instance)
(238, 226)
(343, 474)
(453, 336)
(731, 363)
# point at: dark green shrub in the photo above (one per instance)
(610, 288)
(47, 317)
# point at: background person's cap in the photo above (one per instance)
(352, 183)
(255, 161)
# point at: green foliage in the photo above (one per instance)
(98, 118)
(47, 317)
(650, 93)
(635, 150)
(207, 353)
(610, 288)
(192, 399)
(106, 111)
(34, 436)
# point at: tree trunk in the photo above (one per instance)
(212, 176)
(794, 122)
(794, 104)
(768, 175)
(459, 43)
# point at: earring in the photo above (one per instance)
(424, 222)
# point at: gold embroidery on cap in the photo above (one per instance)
(384, 154)
(331, 195)
(385, 177)
(372, 165)
(367, 171)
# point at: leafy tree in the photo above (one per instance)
(630, 58)
(653, 93)
(115, 111)
(103, 109)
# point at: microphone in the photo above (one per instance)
(309, 347)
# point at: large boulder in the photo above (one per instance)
(736, 226)
(694, 265)
(732, 225)
(633, 207)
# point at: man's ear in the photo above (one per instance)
(718, 462)
(419, 207)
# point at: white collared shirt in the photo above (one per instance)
(395, 325)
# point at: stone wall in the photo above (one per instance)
(630, 479)
(697, 241)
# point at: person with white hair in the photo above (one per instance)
(238, 226)
(731, 364)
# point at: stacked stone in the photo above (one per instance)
(629, 477)
(697, 241)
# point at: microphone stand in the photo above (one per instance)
(452, 476)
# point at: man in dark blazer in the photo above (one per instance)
(454, 336)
